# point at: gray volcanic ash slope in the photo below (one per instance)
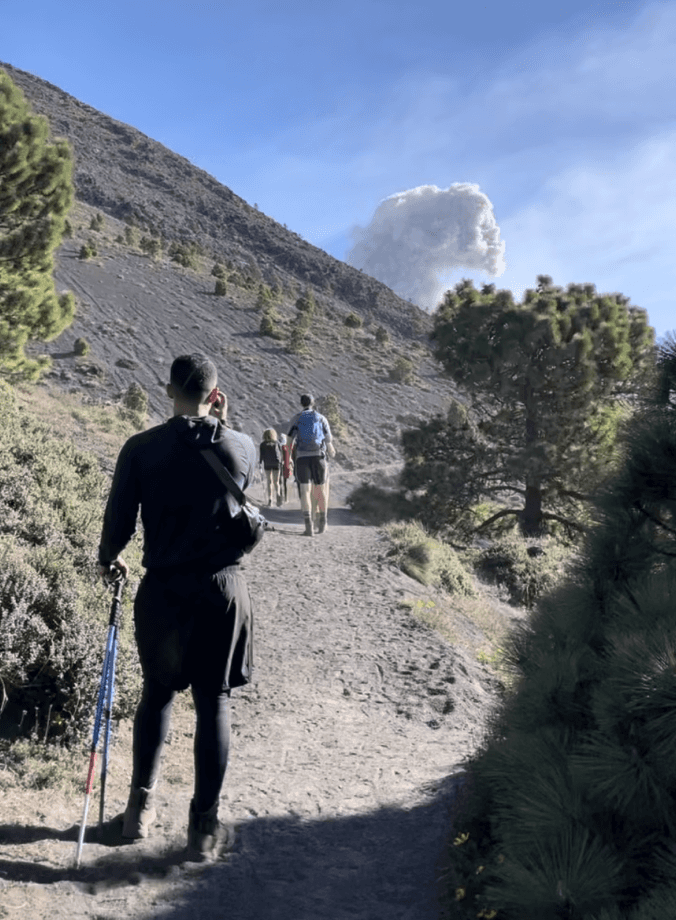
(137, 312)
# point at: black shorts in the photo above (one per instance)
(195, 629)
(311, 469)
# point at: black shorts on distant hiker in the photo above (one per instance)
(192, 614)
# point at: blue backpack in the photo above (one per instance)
(310, 431)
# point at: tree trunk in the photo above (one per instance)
(531, 519)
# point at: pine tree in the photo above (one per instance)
(544, 378)
(36, 193)
(571, 804)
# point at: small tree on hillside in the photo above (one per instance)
(36, 193)
(545, 377)
(571, 809)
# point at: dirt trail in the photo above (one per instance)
(338, 779)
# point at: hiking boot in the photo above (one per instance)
(309, 532)
(321, 522)
(207, 837)
(139, 813)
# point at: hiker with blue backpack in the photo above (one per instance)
(312, 435)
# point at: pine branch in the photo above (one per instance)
(495, 517)
(655, 520)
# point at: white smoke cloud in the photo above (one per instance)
(417, 237)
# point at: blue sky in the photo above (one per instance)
(562, 113)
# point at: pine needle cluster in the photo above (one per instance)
(571, 804)
(36, 193)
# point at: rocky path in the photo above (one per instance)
(339, 775)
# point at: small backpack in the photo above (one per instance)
(310, 431)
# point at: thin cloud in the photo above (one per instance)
(611, 224)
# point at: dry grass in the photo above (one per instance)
(98, 428)
(473, 623)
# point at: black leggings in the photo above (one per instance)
(212, 739)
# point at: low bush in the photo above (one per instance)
(269, 322)
(185, 254)
(96, 222)
(527, 569)
(264, 298)
(221, 288)
(403, 371)
(429, 561)
(81, 347)
(134, 406)
(297, 344)
(53, 612)
(329, 406)
(151, 246)
(382, 336)
(88, 250)
(379, 506)
(353, 321)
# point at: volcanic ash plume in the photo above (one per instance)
(417, 237)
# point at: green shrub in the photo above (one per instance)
(306, 303)
(130, 235)
(88, 250)
(382, 336)
(81, 347)
(379, 506)
(151, 246)
(264, 297)
(135, 398)
(269, 322)
(96, 222)
(185, 254)
(53, 613)
(353, 321)
(134, 406)
(429, 561)
(297, 344)
(221, 288)
(219, 271)
(67, 230)
(403, 371)
(329, 406)
(526, 568)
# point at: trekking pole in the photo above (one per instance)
(105, 698)
(110, 693)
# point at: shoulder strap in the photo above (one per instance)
(223, 474)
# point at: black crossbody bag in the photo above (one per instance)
(251, 523)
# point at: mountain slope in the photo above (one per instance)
(138, 312)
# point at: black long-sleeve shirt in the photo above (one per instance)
(185, 509)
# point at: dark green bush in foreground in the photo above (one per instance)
(53, 610)
(571, 804)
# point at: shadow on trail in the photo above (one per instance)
(382, 865)
(293, 518)
(127, 867)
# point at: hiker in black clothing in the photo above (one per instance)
(270, 455)
(312, 434)
(192, 614)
